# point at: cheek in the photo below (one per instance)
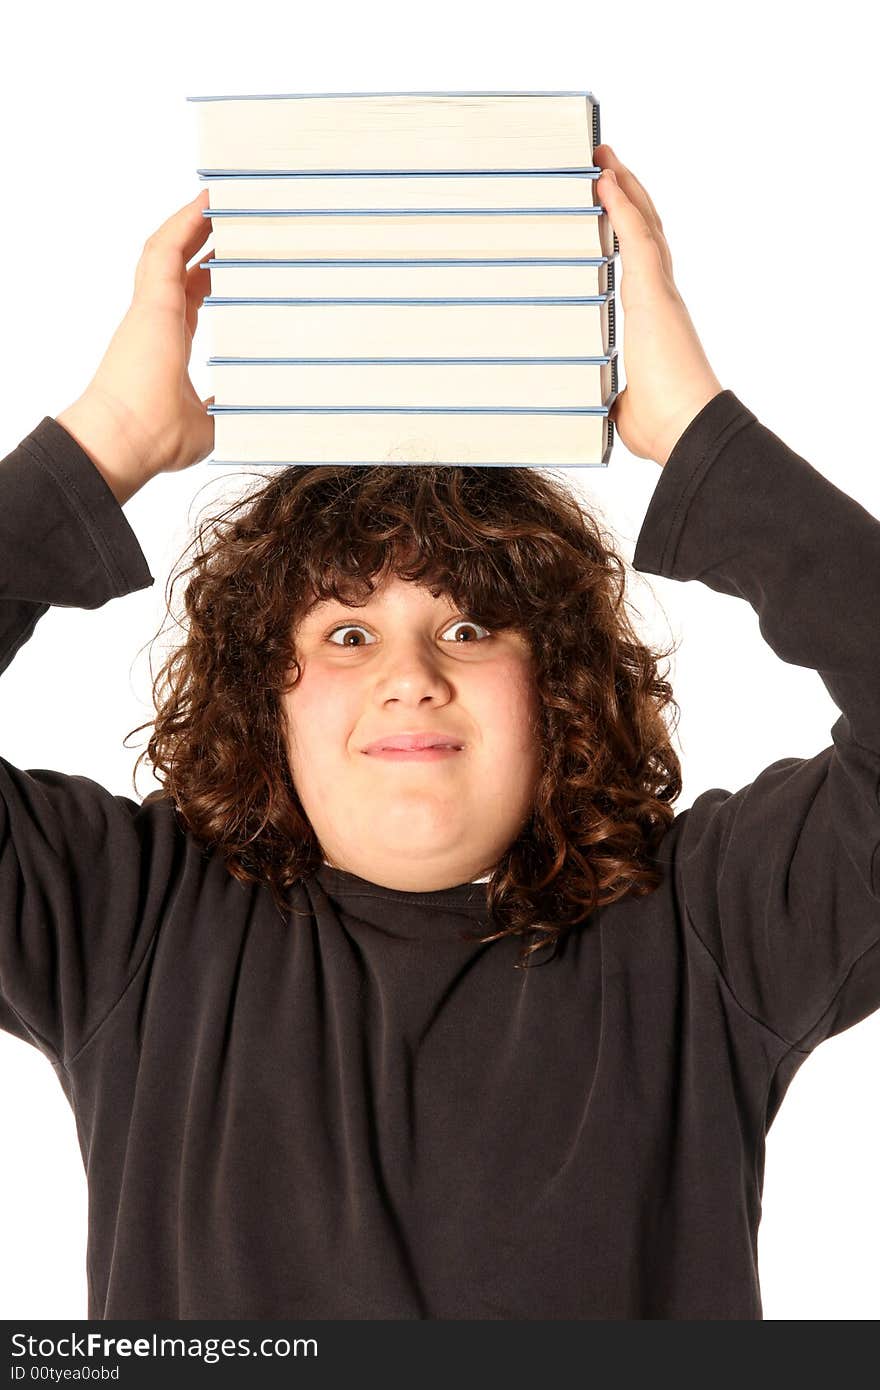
(510, 709)
(321, 712)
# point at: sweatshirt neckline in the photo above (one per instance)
(373, 901)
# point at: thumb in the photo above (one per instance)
(635, 236)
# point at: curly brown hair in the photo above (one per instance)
(512, 548)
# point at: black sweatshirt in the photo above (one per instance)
(352, 1113)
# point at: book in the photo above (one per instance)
(416, 232)
(350, 132)
(359, 435)
(410, 328)
(530, 189)
(413, 381)
(523, 277)
(408, 276)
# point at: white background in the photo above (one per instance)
(754, 128)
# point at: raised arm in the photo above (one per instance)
(779, 880)
(81, 870)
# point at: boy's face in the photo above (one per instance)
(406, 662)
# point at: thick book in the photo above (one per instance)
(422, 276)
(366, 131)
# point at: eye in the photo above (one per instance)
(469, 623)
(348, 627)
(466, 623)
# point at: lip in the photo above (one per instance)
(414, 744)
(415, 755)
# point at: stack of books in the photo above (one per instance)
(408, 277)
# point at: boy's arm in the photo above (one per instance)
(75, 861)
(98, 427)
(781, 879)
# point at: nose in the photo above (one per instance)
(412, 673)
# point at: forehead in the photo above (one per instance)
(392, 593)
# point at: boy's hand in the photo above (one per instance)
(668, 377)
(140, 414)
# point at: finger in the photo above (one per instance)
(167, 250)
(639, 246)
(198, 279)
(203, 256)
(198, 286)
(607, 159)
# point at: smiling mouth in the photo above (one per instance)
(412, 740)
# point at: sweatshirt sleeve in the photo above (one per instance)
(781, 879)
(77, 863)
